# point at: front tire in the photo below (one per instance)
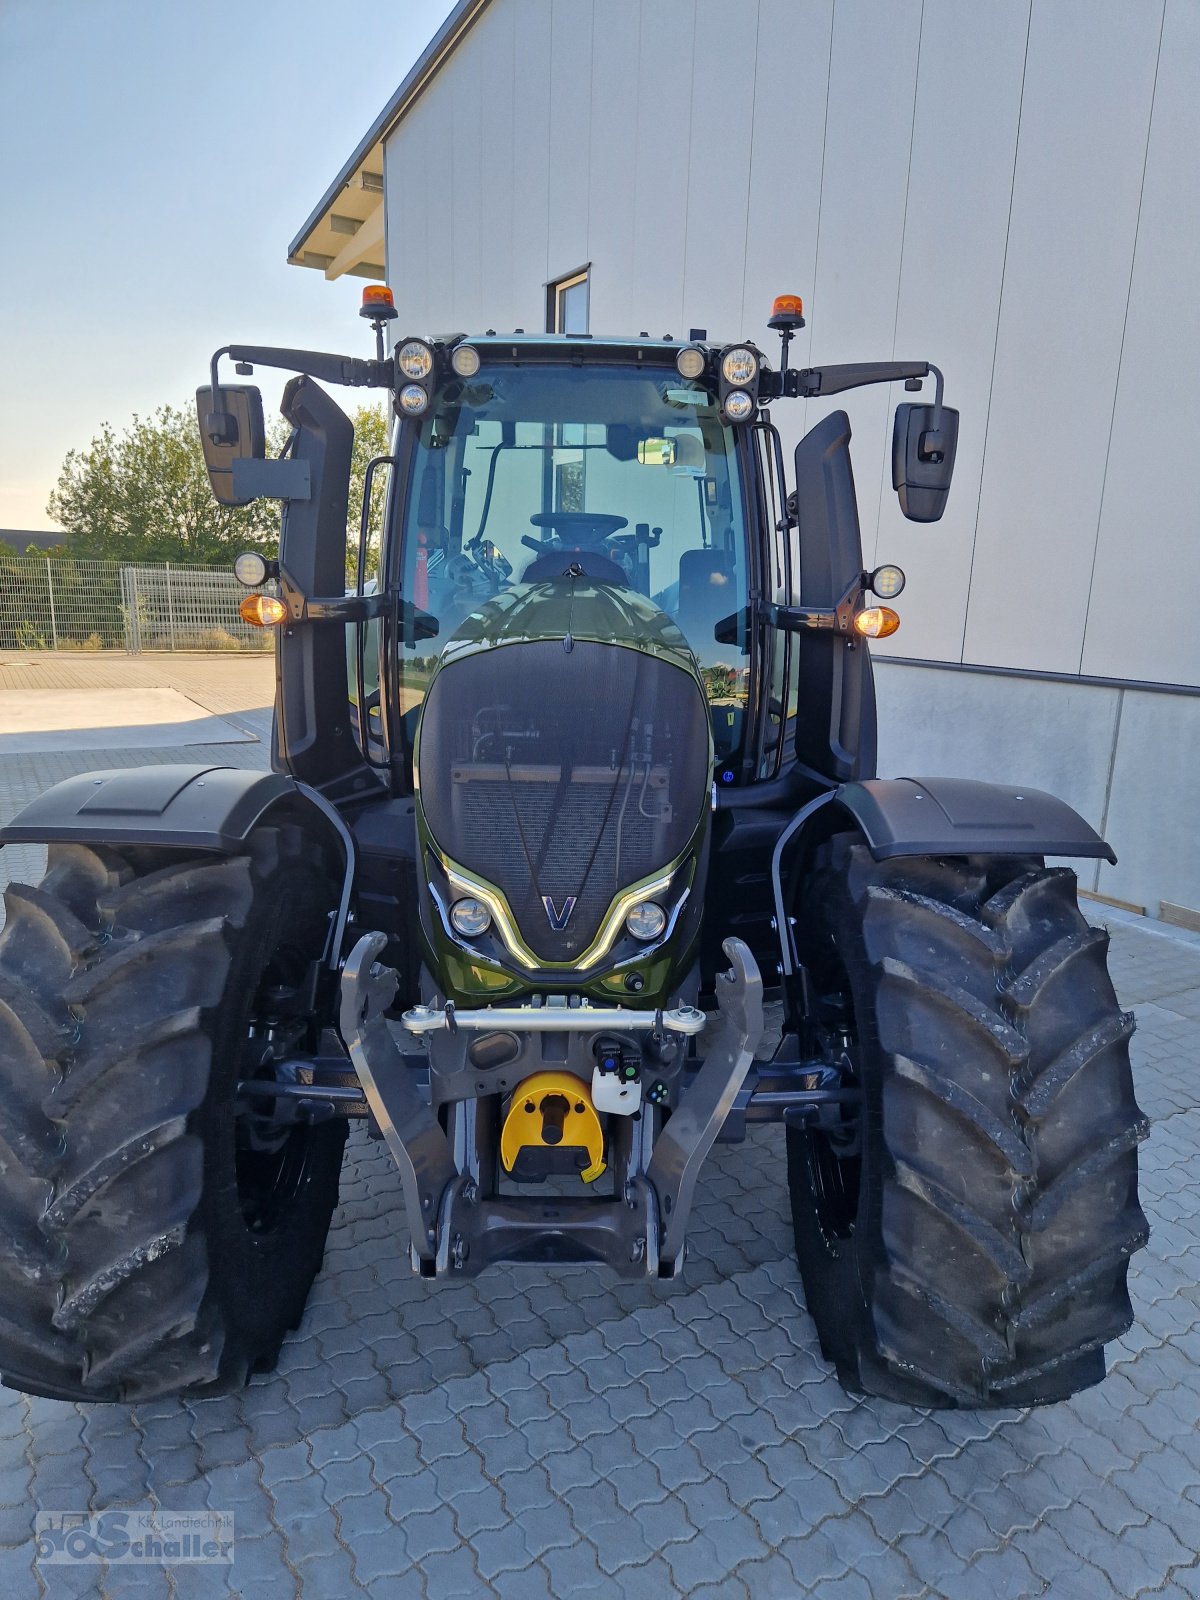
(162, 1242)
(966, 1240)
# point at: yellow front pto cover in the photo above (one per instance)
(551, 1127)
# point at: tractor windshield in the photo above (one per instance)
(628, 471)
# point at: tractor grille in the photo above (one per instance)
(558, 774)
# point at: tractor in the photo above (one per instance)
(576, 773)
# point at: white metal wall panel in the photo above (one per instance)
(433, 117)
(466, 180)
(570, 134)
(496, 42)
(405, 179)
(959, 188)
(531, 157)
(1084, 120)
(869, 119)
(617, 111)
(660, 183)
(872, 82)
(1152, 802)
(1141, 622)
(1052, 736)
(498, 199)
(1128, 760)
(791, 82)
(716, 168)
(402, 275)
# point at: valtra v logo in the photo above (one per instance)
(558, 919)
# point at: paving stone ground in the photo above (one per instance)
(556, 1433)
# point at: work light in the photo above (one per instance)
(886, 581)
(250, 569)
(465, 360)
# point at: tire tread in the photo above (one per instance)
(112, 973)
(989, 1009)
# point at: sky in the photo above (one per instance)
(157, 157)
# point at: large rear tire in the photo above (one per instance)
(964, 1239)
(160, 1242)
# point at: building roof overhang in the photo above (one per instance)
(345, 232)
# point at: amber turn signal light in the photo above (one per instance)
(876, 622)
(262, 610)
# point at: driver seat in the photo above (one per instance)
(593, 563)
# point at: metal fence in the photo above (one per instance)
(59, 603)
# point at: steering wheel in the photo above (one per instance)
(584, 529)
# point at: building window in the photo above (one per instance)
(567, 303)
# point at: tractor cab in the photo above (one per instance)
(549, 463)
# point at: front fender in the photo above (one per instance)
(962, 817)
(189, 807)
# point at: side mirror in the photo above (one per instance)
(923, 459)
(733, 629)
(232, 430)
(417, 624)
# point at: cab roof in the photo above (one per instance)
(589, 346)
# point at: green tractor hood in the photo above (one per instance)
(572, 609)
(563, 772)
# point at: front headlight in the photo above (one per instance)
(646, 921)
(413, 400)
(470, 917)
(739, 403)
(415, 359)
(739, 366)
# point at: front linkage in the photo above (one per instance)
(456, 1227)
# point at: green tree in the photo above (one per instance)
(370, 440)
(144, 495)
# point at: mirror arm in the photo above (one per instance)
(349, 370)
(342, 608)
(808, 382)
(933, 445)
(328, 608)
(798, 619)
(350, 608)
(218, 423)
(832, 619)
